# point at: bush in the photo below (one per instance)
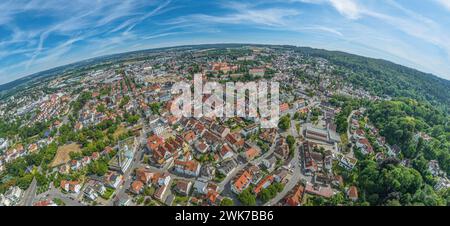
(227, 202)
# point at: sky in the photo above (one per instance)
(37, 35)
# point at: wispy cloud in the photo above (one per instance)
(278, 18)
(88, 21)
(348, 8)
(243, 13)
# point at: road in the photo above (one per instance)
(349, 118)
(120, 192)
(296, 177)
(69, 199)
(297, 174)
(293, 129)
(221, 185)
(30, 194)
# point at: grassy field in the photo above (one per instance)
(62, 155)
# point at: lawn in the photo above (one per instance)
(63, 154)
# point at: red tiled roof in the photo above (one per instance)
(251, 153)
(225, 149)
(295, 198)
(260, 185)
(187, 165)
(242, 180)
(154, 142)
(137, 185)
(189, 136)
(284, 107)
(353, 192)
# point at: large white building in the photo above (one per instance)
(11, 197)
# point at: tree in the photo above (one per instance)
(155, 107)
(101, 108)
(75, 155)
(271, 191)
(291, 141)
(297, 115)
(80, 102)
(247, 198)
(124, 101)
(132, 119)
(393, 202)
(25, 181)
(388, 181)
(285, 122)
(401, 179)
(98, 167)
(338, 199)
(428, 197)
(266, 195)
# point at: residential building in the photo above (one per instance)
(241, 182)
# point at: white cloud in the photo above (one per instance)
(73, 21)
(243, 14)
(444, 3)
(348, 8)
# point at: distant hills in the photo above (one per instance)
(375, 75)
(4, 88)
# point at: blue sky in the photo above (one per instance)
(36, 35)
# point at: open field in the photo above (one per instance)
(62, 155)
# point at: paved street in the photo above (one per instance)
(69, 199)
(296, 177)
(221, 185)
(138, 155)
(296, 172)
(349, 120)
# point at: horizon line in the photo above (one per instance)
(218, 43)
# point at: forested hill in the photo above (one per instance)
(386, 78)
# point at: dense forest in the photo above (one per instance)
(400, 120)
